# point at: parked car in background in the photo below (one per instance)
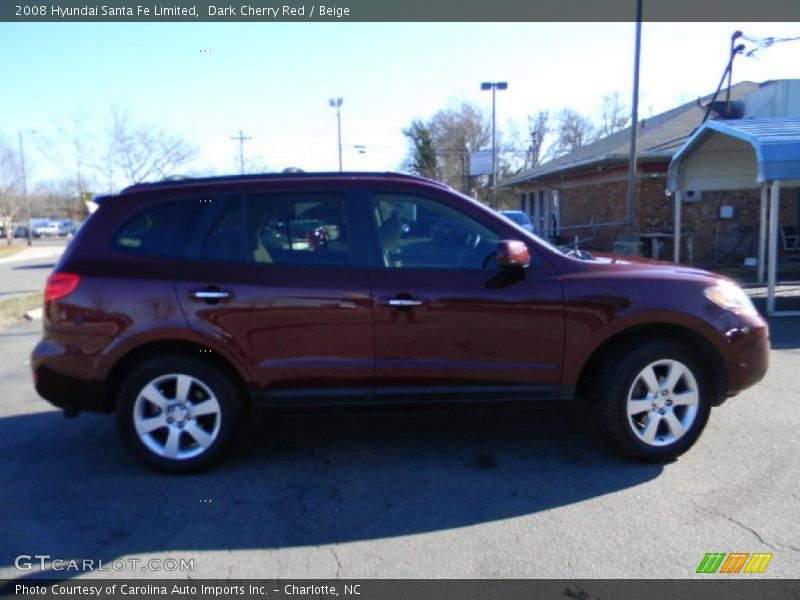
(17, 231)
(181, 306)
(49, 229)
(66, 227)
(520, 218)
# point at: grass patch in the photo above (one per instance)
(13, 309)
(6, 250)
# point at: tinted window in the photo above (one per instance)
(162, 229)
(226, 239)
(416, 232)
(297, 229)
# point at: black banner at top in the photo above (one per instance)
(271, 11)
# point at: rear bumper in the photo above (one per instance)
(61, 378)
(71, 394)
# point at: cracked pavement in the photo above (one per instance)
(506, 493)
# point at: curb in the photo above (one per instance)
(34, 254)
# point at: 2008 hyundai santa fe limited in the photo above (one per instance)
(182, 305)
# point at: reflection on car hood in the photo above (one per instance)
(647, 267)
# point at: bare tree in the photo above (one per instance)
(142, 152)
(422, 159)
(517, 152)
(540, 131)
(73, 150)
(82, 153)
(456, 133)
(56, 197)
(614, 115)
(10, 199)
(574, 131)
(532, 146)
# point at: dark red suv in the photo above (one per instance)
(182, 305)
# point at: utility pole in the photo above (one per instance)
(24, 193)
(726, 73)
(242, 139)
(337, 104)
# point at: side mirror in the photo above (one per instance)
(513, 254)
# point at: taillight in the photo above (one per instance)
(60, 285)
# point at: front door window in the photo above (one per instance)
(419, 233)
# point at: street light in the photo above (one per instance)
(25, 186)
(337, 104)
(494, 86)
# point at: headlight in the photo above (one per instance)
(731, 297)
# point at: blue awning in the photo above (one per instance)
(776, 143)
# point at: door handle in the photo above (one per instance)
(210, 295)
(403, 302)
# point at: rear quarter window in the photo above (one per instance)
(163, 229)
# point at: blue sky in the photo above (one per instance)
(273, 80)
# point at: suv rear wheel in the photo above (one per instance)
(177, 413)
(653, 400)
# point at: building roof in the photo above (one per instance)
(658, 138)
(776, 143)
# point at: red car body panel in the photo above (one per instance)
(292, 327)
(308, 331)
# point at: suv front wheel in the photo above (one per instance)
(653, 400)
(177, 413)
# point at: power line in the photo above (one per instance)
(765, 42)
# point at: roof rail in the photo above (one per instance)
(180, 180)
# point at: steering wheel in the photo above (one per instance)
(476, 243)
(471, 248)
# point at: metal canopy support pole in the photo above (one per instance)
(678, 203)
(631, 199)
(762, 233)
(774, 202)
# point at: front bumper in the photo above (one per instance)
(747, 357)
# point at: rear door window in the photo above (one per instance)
(161, 229)
(297, 229)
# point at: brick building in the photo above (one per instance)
(583, 194)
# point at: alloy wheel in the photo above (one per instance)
(662, 402)
(177, 416)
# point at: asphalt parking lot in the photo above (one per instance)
(441, 494)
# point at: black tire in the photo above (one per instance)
(623, 374)
(216, 429)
